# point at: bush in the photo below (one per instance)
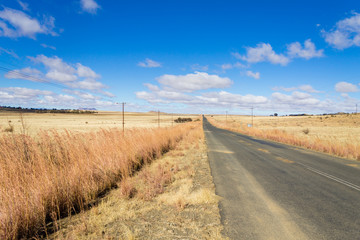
(306, 131)
(182, 120)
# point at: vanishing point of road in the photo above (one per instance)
(270, 190)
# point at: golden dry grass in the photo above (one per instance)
(55, 174)
(172, 198)
(334, 134)
(35, 122)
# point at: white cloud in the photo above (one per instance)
(295, 99)
(255, 75)
(48, 46)
(205, 100)
(148, 63)
(24, 5)
(89, 6)
(10, 52)
(14, 24)
(305, 88)
(227, 66)
(199, 67)
(295, 50)
(308, 88)
(86, 72)
(345, 33)
(54, 63)
(71, 75)
(60, 76)
(26, 74)
(345, 87)
(26, 97)
(193, 81)
(82, 95)
(263, 52)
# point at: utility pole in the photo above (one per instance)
(356, 109)
(159, 118)
(123, 117)
(226, 119)
(252, 116)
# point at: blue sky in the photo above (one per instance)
(181, 56)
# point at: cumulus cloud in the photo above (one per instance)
(255, 75)
(58, 71)
(89, 6)
(305, 88)
(345, 87)
(295, 50)
(193, 81)
(15, 23)
(295, 99)
(148, 63)
(263, 52)
(28, 97)
(210, 99)
(27, 73)
(345, 33)
(179, 89)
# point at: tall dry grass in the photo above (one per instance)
(347, 149)
(57, 174)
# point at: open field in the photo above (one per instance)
(55, 174)
(334, 134)
(35, 122)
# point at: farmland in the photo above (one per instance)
(34, 122)
(53, 166)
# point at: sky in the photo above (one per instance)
(181, 56)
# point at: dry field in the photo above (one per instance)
(49, 174)
(334, 134)
(35, 122)
(173, 198)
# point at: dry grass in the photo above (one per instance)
(172, 198)
(337, 135)
(56, 174)
(85, 122)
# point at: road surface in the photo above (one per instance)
(275, 191)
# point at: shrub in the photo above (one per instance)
(182, 120)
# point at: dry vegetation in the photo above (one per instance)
(36, 122)
(173, 198)
(334, 134)
(56, 174)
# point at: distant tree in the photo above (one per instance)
(275, 114)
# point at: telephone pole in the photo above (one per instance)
(123, 117)
(159, 118)
(356, 109)
(252, 116)
(226, 119)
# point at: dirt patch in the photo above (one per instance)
(184, 207)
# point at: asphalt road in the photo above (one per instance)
(275, 191)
